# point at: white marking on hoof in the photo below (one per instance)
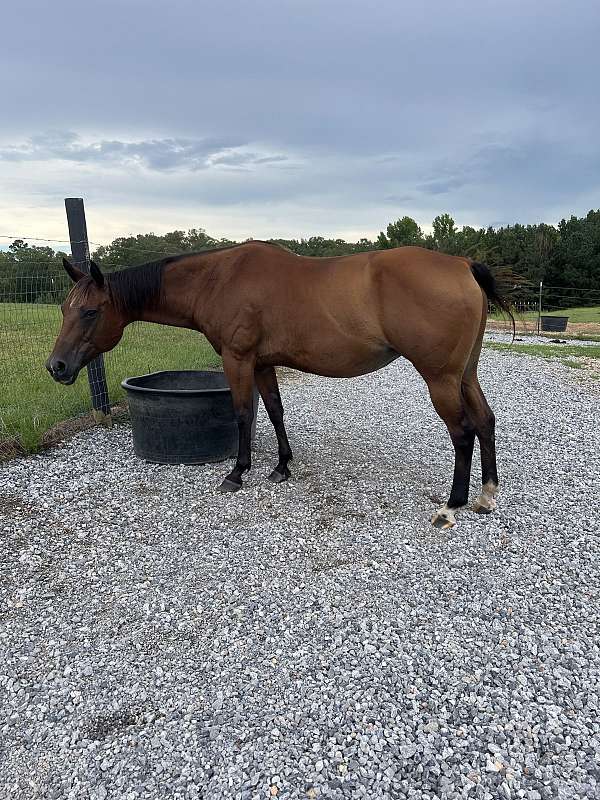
(444, 518)
(486, 502)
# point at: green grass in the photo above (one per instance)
(560, 351)
(577, 337)
(31, 402)
(575, 315)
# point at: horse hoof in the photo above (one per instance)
(442, 524)
(278, 477)
(484, 505)
(481, 509)
(443, 519)
(229, 486)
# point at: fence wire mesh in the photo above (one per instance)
(35, 410)
(580, 306)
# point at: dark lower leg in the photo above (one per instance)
(484, 421)
(233, 481)
(486, 501)
(489, 470)
(463, 442)
(240, 377)
(485, 424)
(447, 398)
(266, 381)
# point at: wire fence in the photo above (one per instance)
(35, 410)
(535, 313)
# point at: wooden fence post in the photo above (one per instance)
(80, 254)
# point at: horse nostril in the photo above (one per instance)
(58, 367)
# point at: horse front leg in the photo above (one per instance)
(240, 376)
(266, 382)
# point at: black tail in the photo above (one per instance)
(484, 277)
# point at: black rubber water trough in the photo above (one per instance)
(183, 417)
(552, 323)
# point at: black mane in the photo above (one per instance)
(137, 288)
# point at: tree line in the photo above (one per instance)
(566, 256)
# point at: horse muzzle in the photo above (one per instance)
(61, 372)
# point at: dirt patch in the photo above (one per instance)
(326, 566)
(69, 427)
(12, 505)
(12, 448)
(592, 328)
(102, 725)
(530, 326)
(143, 490)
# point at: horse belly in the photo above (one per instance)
(346, 359)
(332, 330)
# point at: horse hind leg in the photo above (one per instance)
(485, 423)
(448, 401)
(486, 502)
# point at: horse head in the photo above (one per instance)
(92, 324)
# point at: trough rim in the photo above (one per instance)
(125, 384)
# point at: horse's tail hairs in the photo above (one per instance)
(497, 285)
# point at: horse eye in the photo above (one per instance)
(89, 313)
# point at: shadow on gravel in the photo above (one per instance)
(103, 725)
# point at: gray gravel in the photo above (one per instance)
(318, 638)
(528, 338)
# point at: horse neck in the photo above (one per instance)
(182, 289)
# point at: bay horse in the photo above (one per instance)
(260, 306)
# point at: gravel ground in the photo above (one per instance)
(318, 638)
(527, 338)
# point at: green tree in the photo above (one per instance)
(403, 232)
(472, 242)
(129, 250)
(31, 274)
(445, 234)
(319, 246)
(564, 257)
(575, 260)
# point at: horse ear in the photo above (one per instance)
(97, 276)
(72, 271)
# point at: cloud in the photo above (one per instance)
(300, 116)
(154, 154)
(244, 160)
(441, 185)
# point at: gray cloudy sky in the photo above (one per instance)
(297, 117)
